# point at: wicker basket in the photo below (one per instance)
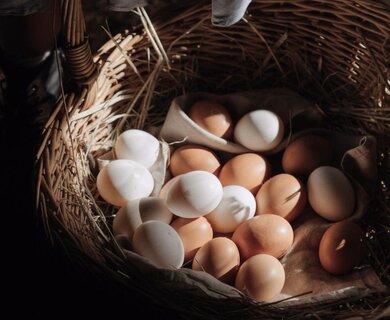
(336, 53)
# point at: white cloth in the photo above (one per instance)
(225, 12)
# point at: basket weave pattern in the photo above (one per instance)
(334, 52)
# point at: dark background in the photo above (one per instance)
(40, 280)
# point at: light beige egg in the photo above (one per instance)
(330, 193)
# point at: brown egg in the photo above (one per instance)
(218, 257)
(268, 233)
(283, 195)
(342, 247)
(248, 170)
(330, 193)
(307, 153)
(192, 157)
(261, 277)
(194, 233)
(164, 190)
(213, 117)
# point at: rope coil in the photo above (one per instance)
(77, 48)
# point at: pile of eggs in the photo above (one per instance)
(232, 219)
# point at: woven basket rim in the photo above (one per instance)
(80, 111)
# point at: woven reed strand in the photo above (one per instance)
(77, 49)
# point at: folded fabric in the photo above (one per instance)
(224, 12)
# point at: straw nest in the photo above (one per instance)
(336, 53)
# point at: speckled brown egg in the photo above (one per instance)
(267, 233)
(193, 157)
(307, 153)
(213, 117)
(342, 247)
(248, 170)
(261, 277)
(283, 195)
(194, 233)
(220, 258)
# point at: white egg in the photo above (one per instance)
(259, 130)
(237, 205)
(137, 145)
(194, 194)
(160, 243)
(121, 181)
(137, 211)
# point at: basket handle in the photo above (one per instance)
(76, 44)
